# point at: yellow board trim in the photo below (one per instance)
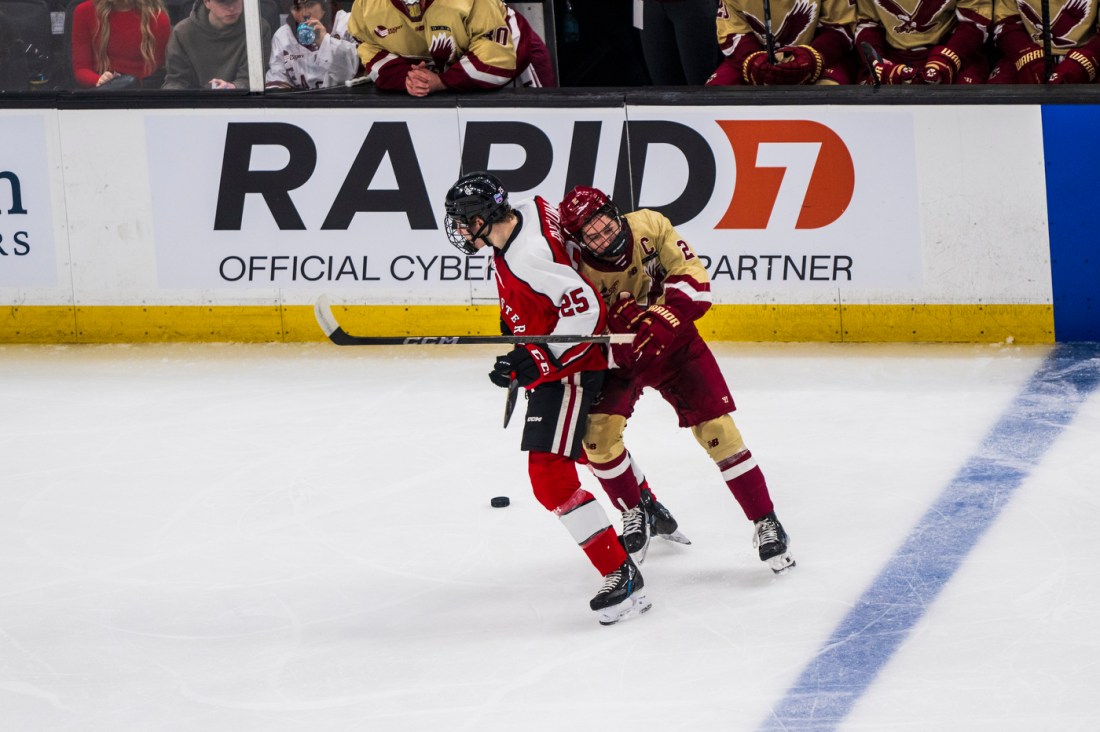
(983, 323)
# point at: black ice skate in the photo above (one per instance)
(662, 524)
(621, 595)
(635, 535)
(772, 541)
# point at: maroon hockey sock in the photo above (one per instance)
(746, 482)
(619, 480)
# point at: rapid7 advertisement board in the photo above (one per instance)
(796, 203)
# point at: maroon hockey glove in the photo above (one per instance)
(802, 65)
(517, 365)
(753, 69)
(623, 314)
(1031, 67)
(656, 332)
(1076, 68)
(941, 66)
(889, 72)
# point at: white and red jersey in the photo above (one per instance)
(329, 63)
(542, 294)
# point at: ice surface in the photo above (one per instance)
(291, 537)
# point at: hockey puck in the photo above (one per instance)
(499, 502)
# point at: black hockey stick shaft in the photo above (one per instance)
(871, 57)
(322, 310)
(769, 39)
(1048, 54)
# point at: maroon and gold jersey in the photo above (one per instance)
(794, 22)
(658, 267)
(468, 43)
(1072, 22)
(918, 25)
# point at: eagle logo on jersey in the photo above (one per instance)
(442, 50)
(1068, 18)
(922, 19)
(800, 17)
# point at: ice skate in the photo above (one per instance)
(772, 542)
(621, 595)
(662, 524)
(635, 534)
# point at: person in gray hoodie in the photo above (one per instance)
(207, 50)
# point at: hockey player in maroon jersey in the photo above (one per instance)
(812, 42)
(656, 287)
(541, 294)
(1074, 42)
(925, 41)
(429, 46)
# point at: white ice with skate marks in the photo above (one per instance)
(300, 537)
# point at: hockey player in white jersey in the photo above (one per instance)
(328, 59)
(542, 294)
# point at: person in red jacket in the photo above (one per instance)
(115, 37)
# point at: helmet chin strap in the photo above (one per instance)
(483, 233)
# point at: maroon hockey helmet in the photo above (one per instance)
(580, 206)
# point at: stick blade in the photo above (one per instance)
(510, 402)
(322, 310)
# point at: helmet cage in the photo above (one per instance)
(475, 195)
(581, 206)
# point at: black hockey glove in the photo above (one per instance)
(516, 365)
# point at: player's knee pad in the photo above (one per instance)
(554, 478)
(719, 437)
(603, 437)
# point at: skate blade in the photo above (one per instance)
(639, 556)
(632, 606)
(781, 563)
(676, 536)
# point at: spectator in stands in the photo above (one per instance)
(811, 42)
(448, 45)
(207, 49)
(112, 38)
(921, 41)
(678, 41)
(1074, 41)
(329, 59)
(23, 65)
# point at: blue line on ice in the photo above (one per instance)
(871, 633)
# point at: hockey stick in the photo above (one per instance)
(322, 310)
(510, 402)
(769, 39)
(1048, 55)
(871, 57)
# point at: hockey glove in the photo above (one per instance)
(941, 66)
(1075, 68)
(889, 72)
(754, 68)
(656, 333)
(517, 365)
(1031, 67)
(623, 314)
(802, 65)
